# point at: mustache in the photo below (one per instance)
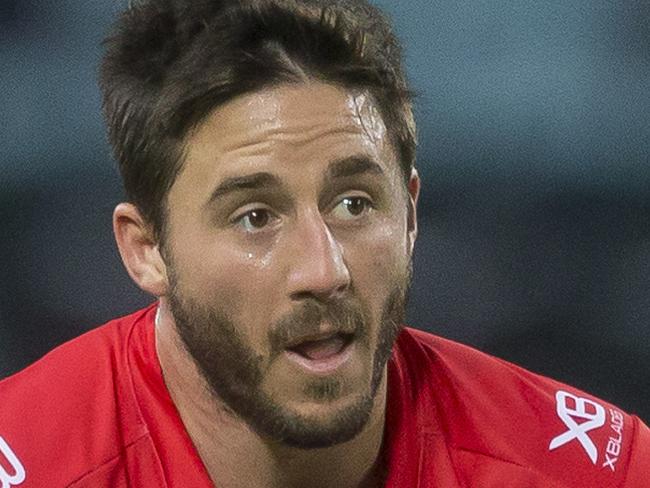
(345, 315)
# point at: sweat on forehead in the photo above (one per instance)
(280, 109)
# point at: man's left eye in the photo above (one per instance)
(351, 207)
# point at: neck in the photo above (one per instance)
(235, 456)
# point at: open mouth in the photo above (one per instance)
(322, 348)
(322, 355)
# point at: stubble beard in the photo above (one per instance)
(234, 373)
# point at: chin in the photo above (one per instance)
(327, 430)
(320, 424)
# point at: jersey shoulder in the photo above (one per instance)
(498, 417)
(71, 411)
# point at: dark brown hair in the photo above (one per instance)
(169, 63)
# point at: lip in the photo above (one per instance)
(322, 366)
(326, 332)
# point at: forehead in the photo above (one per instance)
(292, 127)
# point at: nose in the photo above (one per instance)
(317, 266)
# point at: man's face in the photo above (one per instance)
(288, 253)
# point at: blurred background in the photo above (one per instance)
(534, 121)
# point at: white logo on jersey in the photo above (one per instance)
(9, 480)
(568, 415)
(613, 450)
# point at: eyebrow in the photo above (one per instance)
(235, 184)
(353, 166)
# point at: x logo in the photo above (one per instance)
(610, 462)
(568, 415)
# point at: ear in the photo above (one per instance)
(139, 250)
(413, 188)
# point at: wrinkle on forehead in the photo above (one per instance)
(263, 140)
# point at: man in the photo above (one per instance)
(267, 149)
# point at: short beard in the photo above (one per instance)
(234, 373)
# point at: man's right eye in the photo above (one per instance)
(255, 219)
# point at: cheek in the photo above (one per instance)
(390, 246)
(377, 261)
(222, 276)
(245, 285)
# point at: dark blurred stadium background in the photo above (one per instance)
(534, 121)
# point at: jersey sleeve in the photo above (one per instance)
(71, 419)
(509, 422)
(639, 466)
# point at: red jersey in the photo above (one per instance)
(95, 413)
